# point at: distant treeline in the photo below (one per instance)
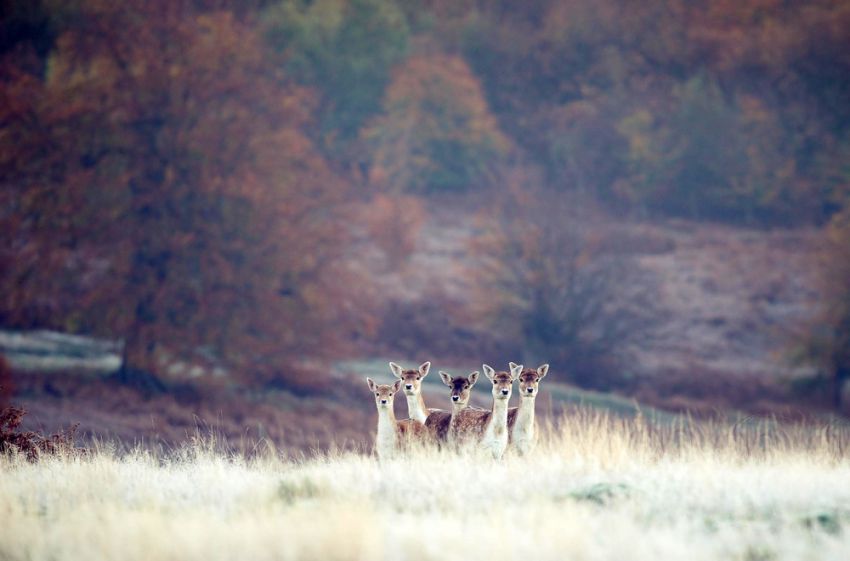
(177, 173)
(730, 110)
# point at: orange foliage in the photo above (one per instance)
(162, 169)
(437, 132)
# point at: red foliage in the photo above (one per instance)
(32, 444)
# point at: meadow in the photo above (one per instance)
(596, 487)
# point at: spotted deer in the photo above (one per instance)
(393, 436)
(521, 419)
(489, 429)
(411, 381)
(461, 390)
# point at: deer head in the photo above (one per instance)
(529, 378)
(384, 393)
(461, 387)
(502, 381)
(411, 380)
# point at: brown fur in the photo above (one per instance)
(471, 422)
(461, 387)
(438, 423)
(411, 430)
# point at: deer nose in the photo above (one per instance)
(383, 401)
(530, 390)
(408, 386)
(455, 397)
(505, 392)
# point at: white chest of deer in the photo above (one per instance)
(495, 437)
(416, 408)
(386, 440)
(523, 436)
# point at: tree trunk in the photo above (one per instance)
(137, 366)
(138, 352)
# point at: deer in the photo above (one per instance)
(521, 419)
(443, 425)
(490, 428)
(393, 436)
(412, 383)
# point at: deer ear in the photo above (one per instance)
(371, 383)
(446, 378)
(397, 385)
(542, 371)
(424, 368)
(516, 370)
(512, 365)
(473, 378)
(396, 369)
(488, 371)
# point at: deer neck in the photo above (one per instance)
(499, 416)
(416, 409)
(386, 425)
(525, 412)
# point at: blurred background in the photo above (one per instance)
(224, 215)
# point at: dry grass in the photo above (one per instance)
(596, 488)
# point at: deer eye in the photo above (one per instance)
(377, 395)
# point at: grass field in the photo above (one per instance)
(597, 487)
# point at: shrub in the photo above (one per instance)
(437, 132)
(548, 287)
(33, 445)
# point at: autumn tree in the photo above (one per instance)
(163, 192)
(345, 49)
(436, 132)
(732, 111)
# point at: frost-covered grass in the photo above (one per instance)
(596, 488)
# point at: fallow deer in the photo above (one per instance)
(412, 384)
(393, 435)
(490, 428)
(461, 389)
(521, 419)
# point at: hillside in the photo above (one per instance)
(728, 298)
(726, 302)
